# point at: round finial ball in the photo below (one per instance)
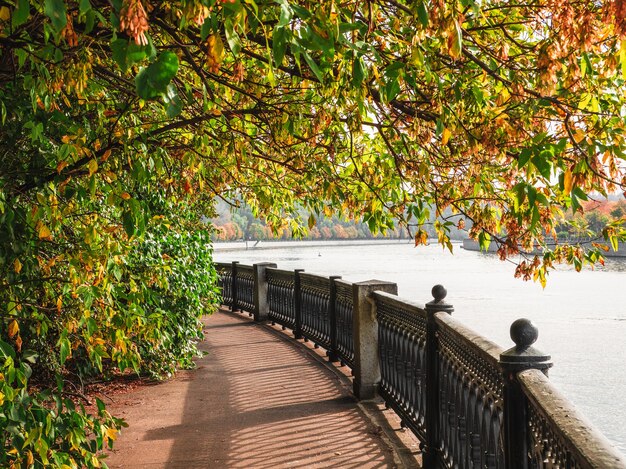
(524, 333)
(439, 292)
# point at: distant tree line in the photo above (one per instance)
(241, 224)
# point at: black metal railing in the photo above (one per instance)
(343, 311)
(225, 282)
(471, 384)
(244, 288)
(315, 309)
(281, 297)
(471, 403)
(402, 349)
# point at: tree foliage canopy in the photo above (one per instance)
(121, 118)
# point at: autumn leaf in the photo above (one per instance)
(44, 232)
(17, 266)
(62, 165)
(568, 181)
(445, 136)
(111, 433)
(93, 166)
(215, 52)
(13, 328)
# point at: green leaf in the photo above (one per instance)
(127, 53)
(392, 88)
(286, 13)
(128, 221)
(523, 158)
(313, 66)
(173, 101)
(422, 13)
(84, 6)
(6, 350)
(543, 163)
(57, 12)
(484, 240)
(279, 44)
(20, 15)
(64, 349)
(233, 39)
(153, 80)
(358, 72)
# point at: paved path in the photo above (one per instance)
(255, 401)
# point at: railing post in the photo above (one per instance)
(333, 354)
(261, 307)
(519, 358)
(297, 332)
(365, 333)
(431, 447)
(234, 307)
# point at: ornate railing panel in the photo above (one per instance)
(344, 309)
(560, 437)
(315, 306)
(245, 288)
(281, 297)
(470, 382)
(402, 349)
(225, 282)
(451, 387)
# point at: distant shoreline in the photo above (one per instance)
(225, 246)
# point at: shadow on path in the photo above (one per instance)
(255, 401)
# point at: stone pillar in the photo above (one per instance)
(261, 307)
(519, 358)
(365, 334)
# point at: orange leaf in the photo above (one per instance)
(568, 181)
(14, 328)
(61, 166)
(44, 232)
(17, 266)
(18, 342)
(125, 195)
(445, 136)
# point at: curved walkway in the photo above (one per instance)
(254, 401)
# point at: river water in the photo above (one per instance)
(581, 316)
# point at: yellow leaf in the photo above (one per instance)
(30, 460)
(445, 136)
(111, 433)
(17, 266)
(568, 181)
(44, 232)
(14, 328)
(5, 14)
(93, 167)
(1, 398)
(215, 52)
(59, 303)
